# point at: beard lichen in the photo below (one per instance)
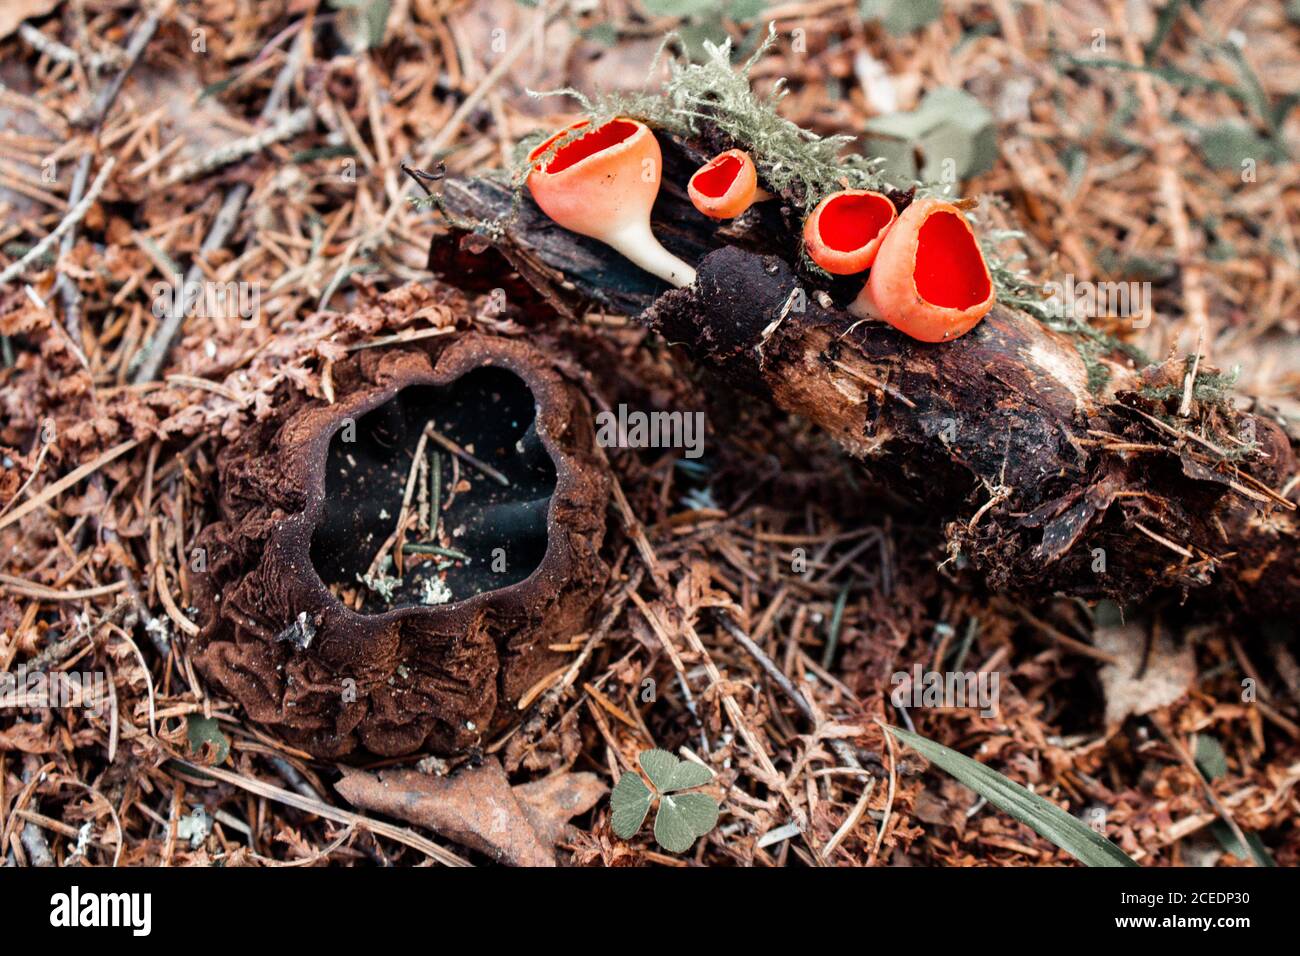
(712, 95)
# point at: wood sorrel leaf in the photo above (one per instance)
(688, 774)
(630, 802)
(659, 766)
(683, 818)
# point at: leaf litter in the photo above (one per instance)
(326, 235)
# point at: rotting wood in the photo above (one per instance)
(995, 433)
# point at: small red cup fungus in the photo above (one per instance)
(844, 233)
(929, 280)
(603, 185)
(726, 185)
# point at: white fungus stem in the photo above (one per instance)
(638, 244)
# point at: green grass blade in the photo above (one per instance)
(1044, 817)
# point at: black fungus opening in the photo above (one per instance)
(499, 529)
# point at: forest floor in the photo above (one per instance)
(261, 144)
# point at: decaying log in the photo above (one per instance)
(1040, 483)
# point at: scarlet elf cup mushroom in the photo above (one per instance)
(726, 185)
(929, 279)
(603, 184)
(844, 232)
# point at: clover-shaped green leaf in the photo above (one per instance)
(630, 802)
(682, 817)
(953, 131)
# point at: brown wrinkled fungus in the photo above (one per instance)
(335, 634)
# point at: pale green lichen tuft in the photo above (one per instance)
(791, 160)
(1209, 387)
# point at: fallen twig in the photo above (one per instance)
(286, 127)
(322, 809)
(151, 361)
(68, 480)
(74, 216)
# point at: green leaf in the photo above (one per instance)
(1254, 848)
(206, 740)
(907, 125)
(971, 153)
(1229, 144)
(686, 775)
(948, 104)
(948, 124)
(667, 773)
(1044, 817)
(1210, 757)
(900, 17)
(900, 159)
(630, 802)
(677, 8)
(683, 818)
(659, 766)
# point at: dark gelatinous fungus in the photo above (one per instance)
(391, 570)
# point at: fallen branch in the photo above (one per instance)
(1041, 481)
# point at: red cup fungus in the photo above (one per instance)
(929, 280)
(726, 185)
(844, 233)
(602, 185)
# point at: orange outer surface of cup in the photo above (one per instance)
(842, 262)
(892, 283)
(739, 195)
(600, 193)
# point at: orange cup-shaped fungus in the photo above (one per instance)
(602, 185)
(726, 185)
(930, 280)
(844, 233)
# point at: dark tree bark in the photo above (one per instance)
(1039, 483)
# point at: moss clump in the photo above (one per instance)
(1213, 417)
(1210, 387)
